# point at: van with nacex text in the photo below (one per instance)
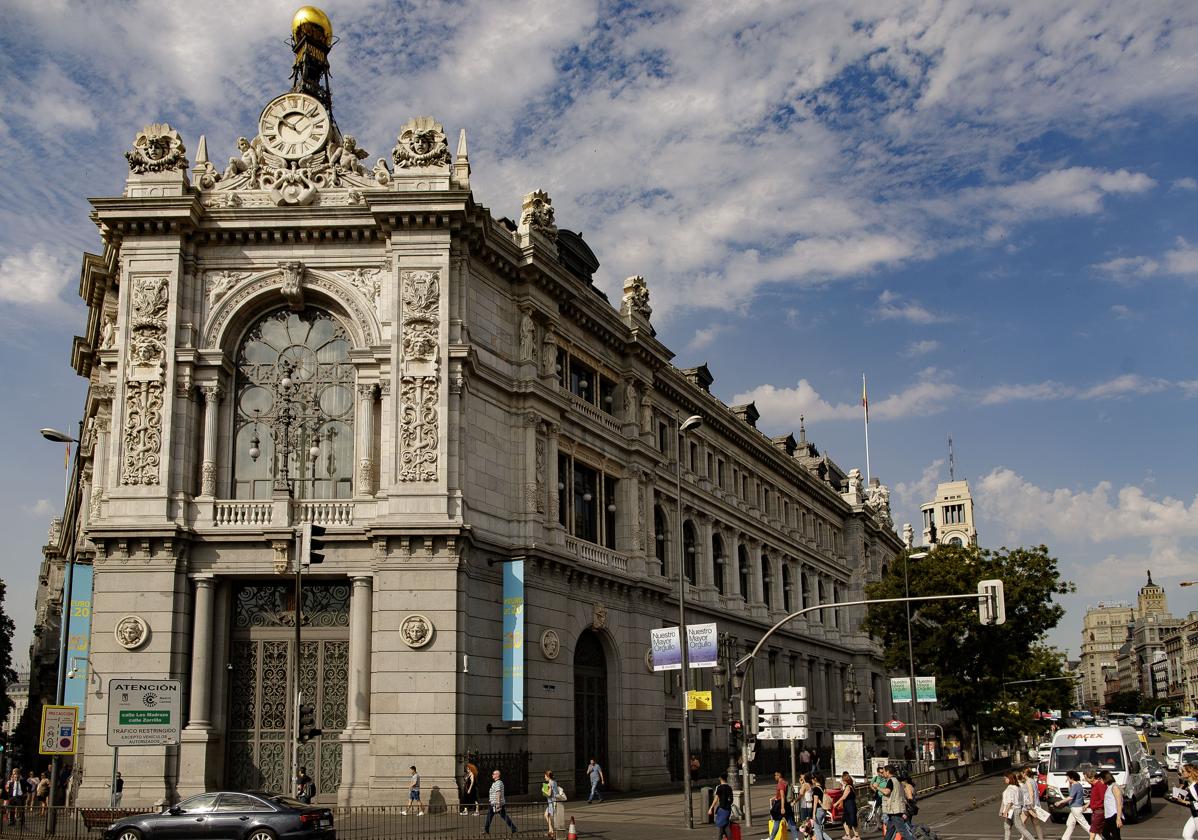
(1114, 748)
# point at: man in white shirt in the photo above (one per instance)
(498, 804)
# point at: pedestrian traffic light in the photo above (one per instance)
(311, 544)
(992, 608)
(750, 748)
(307, 723)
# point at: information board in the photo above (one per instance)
(144, 712)
(59, 724)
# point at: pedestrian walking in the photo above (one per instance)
(1097, 794)
(414, 794)
(43, 792)
(469, 790)
(14, 795)
(595, 774)
(1077, 806)
(118, 790)
(305, 788)
(497, 803)
(894, 805)
(804, 760)
(786, 810)
(1112, 807)
(1011, 808)
(822, 804)
(721, 809)
(1189, 778)
(804, 796)
(1029, 783)
(551, 791)
(848, 804)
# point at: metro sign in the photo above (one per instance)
(894, 725)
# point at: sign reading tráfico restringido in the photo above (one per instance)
(144, 712)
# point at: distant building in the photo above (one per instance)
(18, 693)
(948, 519)
(1104, 630)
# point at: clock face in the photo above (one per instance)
(294, 125)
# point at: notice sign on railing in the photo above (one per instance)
(144, 712)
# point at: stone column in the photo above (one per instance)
(706, 558)
(366, 399)
(199, 713)
(551, 521)
(732, 564)
(757, 596)
(359, 652)
(212, 397)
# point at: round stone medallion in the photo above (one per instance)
(551, 644)
(131, 632)
(416, 631)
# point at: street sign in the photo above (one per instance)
(144, 712)
(784, 719)
(777, 707)
(58, 730)
(784, 733)
(698, 701)
(793, 692)
(896, 734)
(894, 724)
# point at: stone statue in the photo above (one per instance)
(528, 338)
(630, 401)
(382, 173)
(908, 535)
(107, 333)
(537, 213)
(157, 148)
(636, 297)
(347, 157)
(247, 163)
(878, 500)
(853, 494)
(548, 353)
(421, 142)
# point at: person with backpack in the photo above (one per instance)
(305, 788)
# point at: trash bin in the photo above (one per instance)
(707, 794)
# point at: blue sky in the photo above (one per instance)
(988, 208)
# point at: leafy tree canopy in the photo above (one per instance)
(975, 665)
(1130, 702)
(7, 675)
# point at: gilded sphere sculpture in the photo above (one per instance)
(314, 16)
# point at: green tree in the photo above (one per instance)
(975, 665)
(7, 675)
(1128, 701)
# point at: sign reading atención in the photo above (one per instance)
(144, 712)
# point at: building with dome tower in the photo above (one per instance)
(308, 334)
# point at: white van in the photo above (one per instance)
(1114, 748)
(1173, 752)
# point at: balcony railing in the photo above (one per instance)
(325, 513)
(597, 555)
(600, 417)
(236, 513)
(245, 514)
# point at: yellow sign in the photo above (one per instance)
(698, 701)
(58, 730)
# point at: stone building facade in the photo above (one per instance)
(303, 336)
(1104, 631)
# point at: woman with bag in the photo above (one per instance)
(804, 797)
(1112, 808)
(1189, 777)
(553, 795)
(822, 804)
(848, 804)
(1011, 809)
(469, 790)
(1031, 800)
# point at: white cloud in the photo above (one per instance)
(891, 306)
(1120, 386)
(1179, 261)
(704, 337)
(1187, 184)
(39, 509)
(912, 494)
(1125, 313)
(34, 278)
(1097, 515)
(921, 348)
(782, 406)
(1166, 557)
(1078, 190)
(1047, 390)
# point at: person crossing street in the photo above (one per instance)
(498, 804)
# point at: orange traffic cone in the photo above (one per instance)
(572, 831)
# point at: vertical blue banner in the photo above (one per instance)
(75, 693)
(513, 640)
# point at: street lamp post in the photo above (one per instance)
(692, 422)
(919, 555)
(852, 694)
(70, 526)
(727, 679)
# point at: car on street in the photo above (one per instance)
(230, 815)
(1158, 775)
(1173, 751)
(1043, 751)
(1188, 756)
(1114, 748)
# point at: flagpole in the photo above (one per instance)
(865, 405)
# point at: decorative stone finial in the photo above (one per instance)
(461, 162)
(157, 148)
(537, 214)
(636, 298)
(421, 143)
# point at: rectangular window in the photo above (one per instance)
(663, 438)
(694, 457)
(719, 471)
(582, 381)
(773, 669)
(586, 523)
(587, 502)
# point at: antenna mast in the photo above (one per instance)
(952, 469)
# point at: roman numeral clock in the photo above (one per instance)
(294, 125)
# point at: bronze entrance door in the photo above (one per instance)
(590, 710)
(261, 732)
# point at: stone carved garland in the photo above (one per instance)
(421, 292)
(157, 148)
(419, 436)
(142, 437)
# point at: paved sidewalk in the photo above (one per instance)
(660, 815)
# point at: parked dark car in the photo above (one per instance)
(230, 815)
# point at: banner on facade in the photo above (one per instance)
(666, 647)
(900, 690)
(144, 712)
(848, 753)
(75, 690)
(702, 646)
(513, 640)
(925, 689)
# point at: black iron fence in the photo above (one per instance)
(513, 768)
(441, 821)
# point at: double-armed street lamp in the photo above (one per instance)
(692, 422)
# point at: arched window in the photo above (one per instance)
(311, 348)
(786, 599)
(765, 582)
(717, 562)
(659, 538)
(742, 568)
(805, 586)
(690, 551)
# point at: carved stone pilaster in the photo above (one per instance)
(142, 436)
(419, 428)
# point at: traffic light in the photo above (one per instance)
(750, 748)
(736, 729)
(307, 723)
(3, 743)
(992, 608)
(311, 545)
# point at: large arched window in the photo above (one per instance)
(742, 568)
(312, 349)
(717, 562)
(690, 551)
(659, 538)
(787, 603)
(765, 582)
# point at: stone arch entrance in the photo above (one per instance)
(590, 708)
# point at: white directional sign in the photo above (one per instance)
(143, 712)
(778, 707)
(783, 720)
(788, 733)
(793, 692)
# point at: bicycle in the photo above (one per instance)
(871, 816)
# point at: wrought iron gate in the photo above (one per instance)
(262, 688)
(590, 709)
